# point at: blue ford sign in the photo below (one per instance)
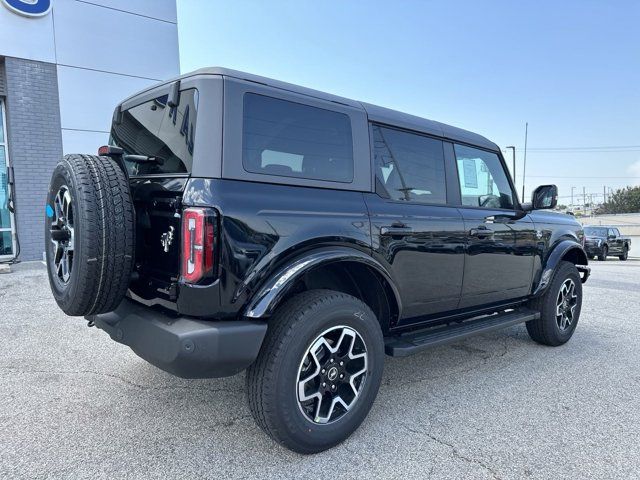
(28, 8)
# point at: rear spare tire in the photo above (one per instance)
(89, 234)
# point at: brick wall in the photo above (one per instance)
(35, 144)
(2, 80)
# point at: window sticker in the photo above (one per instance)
(470, 173)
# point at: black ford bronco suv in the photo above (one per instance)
(236, 222)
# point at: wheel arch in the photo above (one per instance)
(342, 269)
(565, 250)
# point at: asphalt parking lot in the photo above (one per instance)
(74, 404)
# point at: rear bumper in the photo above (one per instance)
(185, 347)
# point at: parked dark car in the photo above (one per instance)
(602, 241)
(237, 222)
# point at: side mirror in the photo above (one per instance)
(545, 197)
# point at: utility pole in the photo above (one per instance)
(604, 194)
(513, 151)
(572, 189)
(584, 199)
(524, 166)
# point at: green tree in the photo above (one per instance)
(624, 200)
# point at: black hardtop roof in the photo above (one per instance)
(374, 112)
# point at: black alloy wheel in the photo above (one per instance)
(62, 234)
(625, 253)
(566, 304)
(331, 374)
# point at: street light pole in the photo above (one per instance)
(572, 189)
(524, 165)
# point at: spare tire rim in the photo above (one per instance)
(566, 304)
(332, 374)
(62, 234)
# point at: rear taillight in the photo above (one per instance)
(198, 244)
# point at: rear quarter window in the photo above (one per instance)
(291, 139)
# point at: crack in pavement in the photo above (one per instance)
(124, 380)
(230, 422)
(484, 360)
(454, 450)
(358, 453)
(437, 377)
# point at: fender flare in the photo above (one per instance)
(553, 260)
(263, 303)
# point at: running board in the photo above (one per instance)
(413, 342)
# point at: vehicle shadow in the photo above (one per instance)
(428, 403)
(435, 374)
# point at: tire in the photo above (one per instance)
(625, 253)
(603, 256)
(89, 227)
(273, 380)
(548, 330)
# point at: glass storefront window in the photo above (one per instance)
(6, 221)
(6, 245)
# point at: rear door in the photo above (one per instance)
(416, 234)
(501, 242)
(153, 128)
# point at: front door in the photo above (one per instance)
(7, 249)
(501, 241)
(416, 234)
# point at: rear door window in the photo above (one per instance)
(409, 167)
(291, 139)
(156, 130)
(483, 181)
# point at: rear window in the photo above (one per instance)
(156, 130)
(290, 139)
(409, 167)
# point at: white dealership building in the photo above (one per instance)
(64, 65)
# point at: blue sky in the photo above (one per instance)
(571, 69)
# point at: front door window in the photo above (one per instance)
(483, 181)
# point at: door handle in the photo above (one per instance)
(481, 232)
(395, 230)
